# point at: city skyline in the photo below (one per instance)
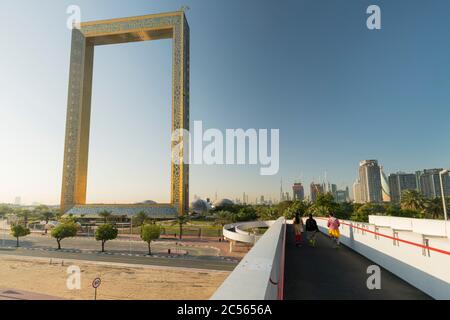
(338, 72)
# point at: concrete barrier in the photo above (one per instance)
(238, 231)
(421, 259)
(260, 275)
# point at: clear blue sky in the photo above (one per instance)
(338, 92)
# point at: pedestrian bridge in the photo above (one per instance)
(413, 256)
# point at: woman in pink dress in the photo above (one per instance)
(333, 229)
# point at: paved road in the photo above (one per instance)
(134, 252)
(40, 241)
(181, 262)
(326, 273)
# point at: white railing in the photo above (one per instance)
(238, 231)
(260, 275)
(423, 260)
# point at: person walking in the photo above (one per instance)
(311, 229)
(333, 229)
(298, 228)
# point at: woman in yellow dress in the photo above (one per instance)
(333, 229)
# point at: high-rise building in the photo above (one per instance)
(370, 180)
(357, 192)
(18, 201)
(400, 182)
(430, 184)
(298, 192)
(341, 196)
(333, 189)
(316, 189)
(281, 191)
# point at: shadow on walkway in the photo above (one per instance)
(325, 273)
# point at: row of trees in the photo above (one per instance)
(26, 216)
(413, 205)
(68, 228)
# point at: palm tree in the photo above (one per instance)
(105, 214)
(181, 220)
(223, 217)
(412, 200)
(25, 214)
(140, 218)
(46, 216)
(433, 208)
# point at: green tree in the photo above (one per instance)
(245, 214)
(64, 230)
(105, 214)
(223, 217)
(412, 200)
(283, 206)
(25, 216)
(268, 213)
(46, 215)
(140, 218)
(300, 207)
(4, 210)
(393, 210)
(150, 232)
(345, 210)
(433, 208)
(181, 220)
(105, 233)
(324, 205)
(363, 212)
(18, 231)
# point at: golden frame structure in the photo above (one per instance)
(171, 25)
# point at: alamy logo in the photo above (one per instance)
(235, 147)
(73, 281)
(74, 20)
(374, 280)
(374, 20)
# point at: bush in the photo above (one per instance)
(18, 231)
(64, 230)
(150, 232)
(105, 233)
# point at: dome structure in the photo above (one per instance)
(224, 203)
(200, 206)
(149, 202)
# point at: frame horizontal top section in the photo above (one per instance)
(134, 29)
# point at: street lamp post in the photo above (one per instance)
(444, 202)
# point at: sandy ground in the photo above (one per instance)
(118, 282)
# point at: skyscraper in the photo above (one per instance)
(400, 182)
(340, 196)
(430, 185)
(18, 201)
(298, 192)
(316, 189)
(281, 191)
(370, 180)
(357, 194)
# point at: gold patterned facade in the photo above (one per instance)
(90, 34)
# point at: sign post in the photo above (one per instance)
(95, 284)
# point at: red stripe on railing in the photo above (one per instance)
(396, 239)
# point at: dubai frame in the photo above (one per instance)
(85, 37)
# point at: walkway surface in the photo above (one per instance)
(326, 273)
